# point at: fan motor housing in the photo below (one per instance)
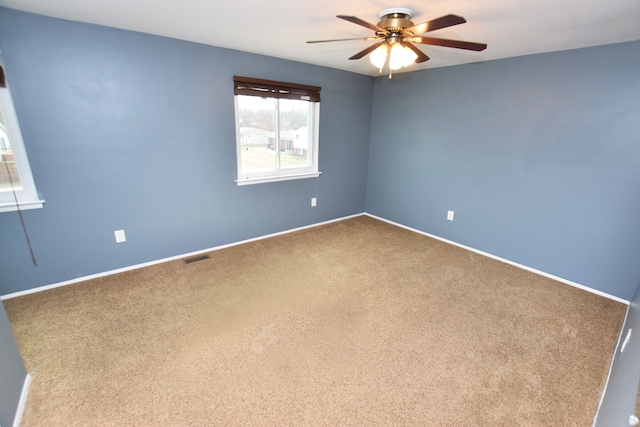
(395, 20)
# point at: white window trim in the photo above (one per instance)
(27, 196)
(310, 171)
(277, 178)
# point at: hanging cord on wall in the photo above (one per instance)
(15, 197)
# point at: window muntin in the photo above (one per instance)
(16, 181)
(276, 131)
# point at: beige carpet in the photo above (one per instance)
(355, 323)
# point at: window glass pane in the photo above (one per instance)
(257, 118)
(295, 118)
(8, 170)
(276, 137)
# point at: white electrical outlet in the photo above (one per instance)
(313, 202)
(120, 237)
(450, 215)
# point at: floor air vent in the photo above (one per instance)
(196, 259)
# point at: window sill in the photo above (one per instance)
(262, 180)
(33, 204)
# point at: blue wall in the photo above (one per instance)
(539, 157)
(131, 131)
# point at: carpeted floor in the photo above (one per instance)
(353, 323)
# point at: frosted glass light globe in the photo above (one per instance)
(396, 56)
(379, 56)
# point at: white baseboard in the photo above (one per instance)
(159, 261)
(506, 261)
(190, 254)
(23, 401)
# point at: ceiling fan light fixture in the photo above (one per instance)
(396, 57)
(396, 34)
(409, 57)
(379, 56)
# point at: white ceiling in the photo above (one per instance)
(279, 28)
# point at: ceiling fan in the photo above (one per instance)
(395, 36)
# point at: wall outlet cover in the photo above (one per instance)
(120, 237)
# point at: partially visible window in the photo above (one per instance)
(276, 130)
(16, 183)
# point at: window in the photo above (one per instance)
(276, 130)
(17, 188)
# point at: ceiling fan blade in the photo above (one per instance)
(458, 44)
(341, 40)
(365, 24)
(435, 24)
(421, 56)
(367, 50)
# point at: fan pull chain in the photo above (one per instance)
(15, 197)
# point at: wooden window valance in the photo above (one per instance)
(274, 89)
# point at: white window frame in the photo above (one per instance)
(310, 171)
(27, 196)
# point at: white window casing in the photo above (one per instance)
(272, 154)
(25, 192)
